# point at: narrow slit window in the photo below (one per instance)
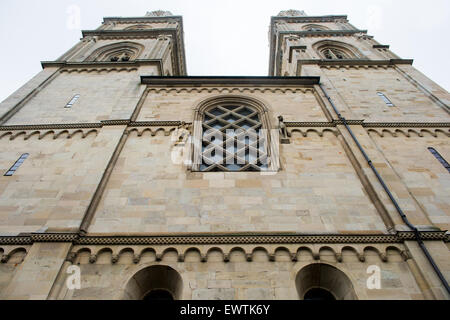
(385, 99)
(438, 156)
(72, 101)
(16, 165)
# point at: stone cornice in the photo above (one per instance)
(143, 19)
(200, 80)
(171, 123)
(97, 64)
(303, 19)
(147, 33)
(357, 62)
(406, 124)
(322, 33)
(242, 238)
(92, 125)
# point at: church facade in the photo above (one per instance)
(124, 178)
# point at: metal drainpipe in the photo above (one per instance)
(397, 207)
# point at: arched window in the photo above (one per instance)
(232, 135)
(335, 50)
(334, 53)
(154, 283)
(314, 27)
(117, 52)
(321, 281)
(138, 27)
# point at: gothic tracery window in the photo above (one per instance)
(337, 50)
(120, 56)
(334, 53)
(233, 139)
(118, 52)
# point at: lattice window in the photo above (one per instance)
(438, 156)
(233, 139)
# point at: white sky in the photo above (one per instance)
(228, 37)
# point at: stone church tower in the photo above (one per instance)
(123, 178)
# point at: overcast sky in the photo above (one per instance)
(228, 37)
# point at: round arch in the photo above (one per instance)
(325, 278)
(132, 49)
(346, 50)
(153, 281)
(314, 27)
(257, 109)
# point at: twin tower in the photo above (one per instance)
(124, 178)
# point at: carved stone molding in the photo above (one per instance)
(218, 239)
(324, 33)
(134, 254)
(51, 126)
(307, 131)
(10, 252)
(231, 90)
(406, 124)
(102, 66)
(405, 132)
(40, 134)
(174, 123)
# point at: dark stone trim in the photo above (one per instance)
(251, 238)
(329, 33)
(115, 122)
(52, 126)
(356, 62)
(142, 19)
(310, 124)
(406, 124)
(330, 18)
(155, 124)
(97, 64)
(169, 123)
(129, 33)
(213, 80)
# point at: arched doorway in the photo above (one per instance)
(324, 282)
(154, 283)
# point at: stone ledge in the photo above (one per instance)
(252, 238)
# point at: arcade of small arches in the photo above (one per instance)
(156, 273)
